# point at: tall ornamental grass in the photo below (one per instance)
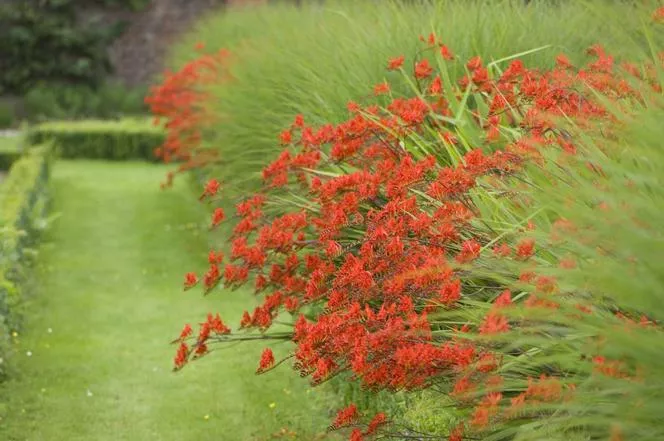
(315, 59)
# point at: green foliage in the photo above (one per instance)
(617, 251)
(116, 140)
(22, 205)
(6, 116)
(10, 152)
(314, 59)
(43, 41)
(63, 101)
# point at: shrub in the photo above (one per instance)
(115, 140)
(23, 197)
(6, 116)
(63, 102)
(45, 41)
(10, 151)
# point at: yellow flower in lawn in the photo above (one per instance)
(273, 405)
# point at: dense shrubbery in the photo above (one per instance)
(444, 236)
(44, 41)
(10, 152)
(66, 102)
(23, 197)
(115, 140)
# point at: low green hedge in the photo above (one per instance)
(115, 140)
(10, 151)
(23, 200)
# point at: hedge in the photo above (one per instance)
(23, 197)
(115, 140)
(7, 157)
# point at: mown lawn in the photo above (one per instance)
(94, 361)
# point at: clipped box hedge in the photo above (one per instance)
(114, 140)
(23, 201)
(10, 151)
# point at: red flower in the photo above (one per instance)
(186, 332)
(286, 137)
(217, 257)
(267, 361)
(474, 63)
(436, 86)
(658, 15)
(446, 53)
(503, 300)
(190, 280)
(395, 63)
(181, 356)
(525, 249)
(494, 323)
(218, 216)
(356, 435)
(450, 292)
(457, 433)
(378, 420)
(211, 277)
(423, 69)
(382, 88)
(470, 250)
(431, 40)
(211, 188)
(563, 61)
(502, 250)
(345, 417)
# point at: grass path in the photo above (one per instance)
(94, 362)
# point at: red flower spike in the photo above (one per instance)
(356, 435)
(211, 188)
(658, 15)
(450, 292)
(423, 69)
(190, 280)
(186, 332)
(215, 257)
(470, 250)
(345, 417)
(446, 53)
(218, 216)
(525, 249)
(503, 300)
(267, 361)
(395, 63)
(436, 86)
(474, 63)
(382, 88)
(494, 323)
(181, 356)
(457, 433)
(286, 137)
(376, 422)
(563, 62)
